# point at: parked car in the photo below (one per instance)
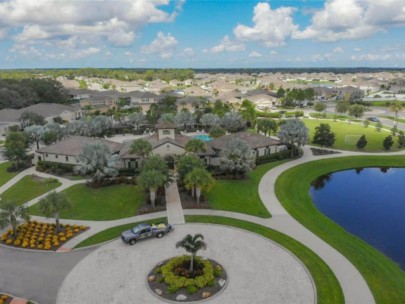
(144, 231)
(373, 119)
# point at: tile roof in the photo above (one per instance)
(252, 139)
(73, 145)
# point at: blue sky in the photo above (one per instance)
(201, 33)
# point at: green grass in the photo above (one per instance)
(100, 204)
(384, 103)
(341, 129)
(28, 188)
(4, 175)
(401, 120)
(241, 195)
(113, 233)
(384, 277)
(327, 287)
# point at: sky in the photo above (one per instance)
(201, 33)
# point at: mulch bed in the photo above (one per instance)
(318, 152)
(198, 296)
(188, 202)
(160, 205)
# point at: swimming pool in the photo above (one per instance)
(203, 137)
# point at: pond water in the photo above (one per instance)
(369, 203)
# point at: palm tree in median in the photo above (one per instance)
(396, 107)
(52, 204)
(141, 147)
(200, 180)
(152, 180)
(9, 214)
(192, 244)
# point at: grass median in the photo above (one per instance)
(384, 277)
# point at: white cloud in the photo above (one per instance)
(353, 19)
(372, 57)
(189, 52)
(86, 52)
(328, 56)
(226, 45)
(338, 50)
(255, 54)
(164, 45)
(271, 27)
(80, 24)
(273, 53)
(357, 49)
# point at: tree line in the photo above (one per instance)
(20, 93)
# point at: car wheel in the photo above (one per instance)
(159, 235)
(132, 242)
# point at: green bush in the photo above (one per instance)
(56, 168)
(161, 279)
(172, 289)
(273, 157)
(177, 281)
(217, 271)
(192, 289)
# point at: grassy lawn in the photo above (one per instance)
(384, 103)
(327, 287)
(101, 204)
(28, 188)
(385, 278)
(394, 119)
(241, 195)
(113, 233)
(4, 175)
(341, 129)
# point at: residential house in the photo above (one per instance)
(142, 99)
(263, 101)
(190, 103)
(67, 151)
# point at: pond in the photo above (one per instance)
(369, 203)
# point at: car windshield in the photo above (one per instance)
(136, 229)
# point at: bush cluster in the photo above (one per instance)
(175, 282)
(112, 181)
(36, 235)
(273, 157)
(55, 168)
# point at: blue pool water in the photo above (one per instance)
(369, 203)
(203, 137)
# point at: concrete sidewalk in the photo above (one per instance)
(173, 205)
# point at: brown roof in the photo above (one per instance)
(166, 125)
(73, 146)
(180, 140)
(252, 139)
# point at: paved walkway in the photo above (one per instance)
(260, 271)
(173, 205)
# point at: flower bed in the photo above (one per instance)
(172, 280)
(42, 236)
(5, 299)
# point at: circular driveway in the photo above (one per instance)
(259, 270)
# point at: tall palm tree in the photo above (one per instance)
(396, 107)
(141, 147)
(195, 145)
(192, 244)
(199, 179)
(9, 214)
(152, 180)
(52, 204)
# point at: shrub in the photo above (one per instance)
(161, 279)
(273, 157)
(217, 271)
(192, 289)
(172, 289)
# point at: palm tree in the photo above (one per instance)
(152, 180)
(192, 244)
(396, 107)
(141, 147)
(199, 179)
(9, 214)
(195, 145)
(52, 204)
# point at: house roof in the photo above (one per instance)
(180, 141)
(73, 146)
(43, 109)
(252, 139)
(139, 94)
(166, 125)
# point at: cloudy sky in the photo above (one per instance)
(201, 33)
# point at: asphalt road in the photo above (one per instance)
(36, 276)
